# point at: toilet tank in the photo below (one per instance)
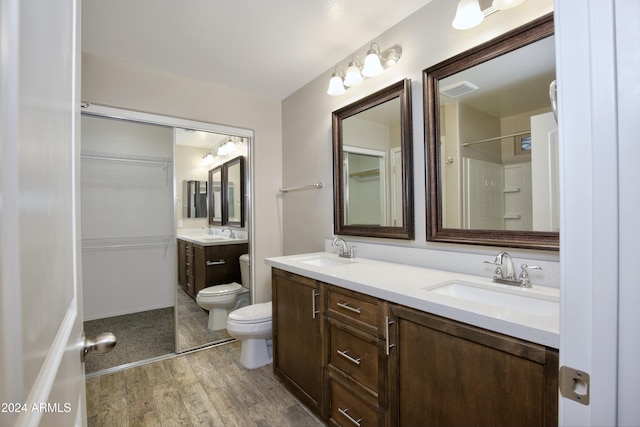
(245, 272)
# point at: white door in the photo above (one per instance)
(597, 61)
(41, 374)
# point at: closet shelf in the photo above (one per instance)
(127, 242)
(512, 190)
(132, 158)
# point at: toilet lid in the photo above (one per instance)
(217, 290)
(252, 313)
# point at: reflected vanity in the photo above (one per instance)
(491, 143)
(372, 157)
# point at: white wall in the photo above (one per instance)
(120, 85)
(426, 38)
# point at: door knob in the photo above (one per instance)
(103, 343)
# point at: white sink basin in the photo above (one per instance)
(510, 298)
(325, 260)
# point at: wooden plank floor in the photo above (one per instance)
(203, 388)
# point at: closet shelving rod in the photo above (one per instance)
(495, 138)
(301, 187)
(127, 242)
(126, 158)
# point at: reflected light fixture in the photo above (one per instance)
(374, 63)
(227, 147)
(208, 158)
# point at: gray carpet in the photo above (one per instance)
(140, 336)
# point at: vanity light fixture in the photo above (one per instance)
(468, 15)
(374, 63)
(353, 76)
(227, 147)
(471, 13)
(505, 4)
(336, 86)
(208, 158)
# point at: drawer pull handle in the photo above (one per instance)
(349, 358)
(210, 263)
(314, 311)
(353, 420)
(348, 307)
(388, 345)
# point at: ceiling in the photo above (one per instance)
(266, 47)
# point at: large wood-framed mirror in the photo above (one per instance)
(491, 143)
(227, 193)
(373, 165)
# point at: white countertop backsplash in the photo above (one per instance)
(404, 284)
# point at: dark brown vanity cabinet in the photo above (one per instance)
(356, 361)
(360, 360)
(446, 373)
(185, 267)
(202, 266)
(298, 357)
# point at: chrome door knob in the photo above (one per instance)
(103, 343)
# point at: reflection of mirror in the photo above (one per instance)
(199, 157)
(234, 172)
(215, 199)
(492, 144)
(373, 166)
(195, 199)
(227, 183)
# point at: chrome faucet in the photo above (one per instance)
(346, 250)
(232, 235)
(507, 275)
(209, 230)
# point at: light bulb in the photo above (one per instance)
(468, 15)
(335, 85)
(353, 76)
(505, 4)
(372, 66)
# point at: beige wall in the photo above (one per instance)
(120, 85)
(426, 38)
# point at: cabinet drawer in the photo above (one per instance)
(354, 306)
(354, 356)
(348, 410)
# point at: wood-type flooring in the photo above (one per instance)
(203, 388)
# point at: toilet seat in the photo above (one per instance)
(256, 313)
(221, 290)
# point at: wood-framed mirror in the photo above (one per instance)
(491, 143)
(227, 193)
(373, 165)
(233, 192)
(215, 196)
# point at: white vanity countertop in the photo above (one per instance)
(210, 240)
(404, 284)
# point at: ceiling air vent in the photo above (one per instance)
(458, 89)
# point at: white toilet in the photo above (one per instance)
(219, 300)
(252, 325)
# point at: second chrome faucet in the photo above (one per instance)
(346, 250)
(505, 272)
